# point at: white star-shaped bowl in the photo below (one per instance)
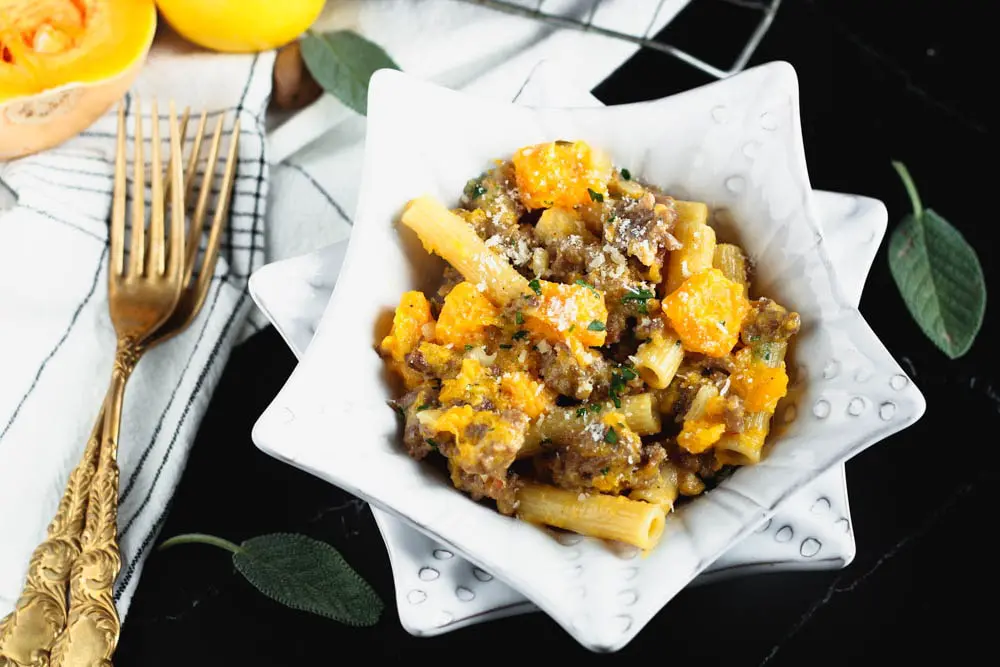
(735, 144)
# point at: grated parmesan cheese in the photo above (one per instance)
(544, 347)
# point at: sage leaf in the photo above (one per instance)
(342, 62)
(938, 275)
(301, 573)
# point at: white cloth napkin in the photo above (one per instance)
(56, 340)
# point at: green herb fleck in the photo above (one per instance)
(584, 283)
(520, 334)
(605, 470)
(571, 328)
(639, 296)
(475, 188)
(595, 325)
(595, 407)
(518, 318)
(626, 174)
(595, 196)
(628, 373)
(581, 412)
(432, 444)
(422, 407)
(612, 218)
(536, 286)
(611, 437)
(467, 347)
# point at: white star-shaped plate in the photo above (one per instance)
(735, 144)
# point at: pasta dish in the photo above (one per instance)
(592, 355)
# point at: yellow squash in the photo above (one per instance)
(240, 26)
(63, 63)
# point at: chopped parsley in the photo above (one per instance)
(584, 283)
(611, 437)
(505, 346)
(581, 412)
(612, 218)
(618, 381)
(626, 174)
(518, 317)
(433, 445)
(605, 470)
(595, 407)
(520, 334)
(571, 327)
(467, 347)
(475, 188)
(596, 325)
(425, 406)
(536, 286)
(595, 196)
(639, 296)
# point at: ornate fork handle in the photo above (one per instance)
(27, 633)
(92, 625)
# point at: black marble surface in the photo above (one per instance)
(879, 80)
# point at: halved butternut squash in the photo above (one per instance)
(63, 63)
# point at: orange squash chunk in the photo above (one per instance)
(707, 311)
(561, 173)
(464, 316)
(568, 313)
(520, 391)
(699, 434)
(761, 386)
(412, 314)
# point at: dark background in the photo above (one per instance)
(879, 80)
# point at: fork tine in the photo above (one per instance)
(155, 261)
(195, 224)
(138, 245)
(198, 216)
(220, 217)
(177, 205)
(167, 194)
(117, 232)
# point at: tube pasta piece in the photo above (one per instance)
(664, 492)
(445, 234)
(731, 260)
(703, 425)
(607, 517)
(658, 359)
(698, 241)
(744, 448)
(562, 425)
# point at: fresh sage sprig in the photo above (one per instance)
(299, 572)
(342, 62)
(938, 274)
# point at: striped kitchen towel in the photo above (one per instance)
(56, 338)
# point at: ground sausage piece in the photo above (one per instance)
(769, 322)
(409, 405)
(565, 375)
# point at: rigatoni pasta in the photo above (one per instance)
(593, 356)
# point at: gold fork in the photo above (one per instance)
(141, 296)
(41, 611)
(80, 645)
